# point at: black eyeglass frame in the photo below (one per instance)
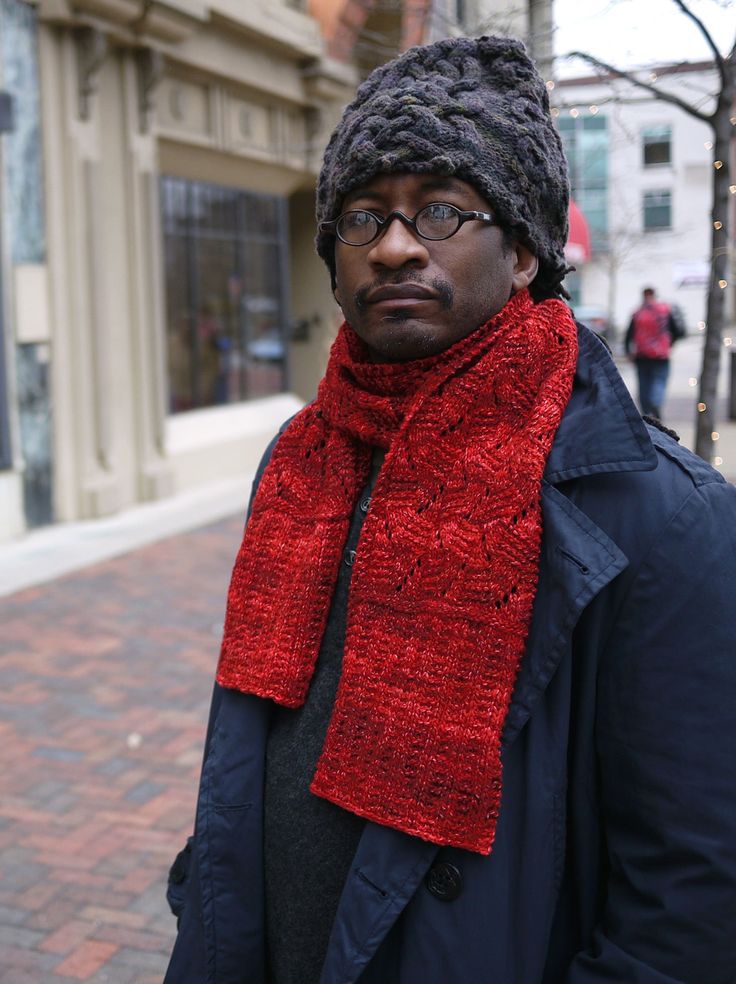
(330, 226)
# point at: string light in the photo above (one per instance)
(702, 408)
(574, 113)
(692, 381)
(593, 110)
(708, 145)
(701, 326)
(723, 284)
(653, 77)
(550, 85)
(718, 165)
(732, 189)
(733, 121)
(715, 435)
(555, 112)
(718, 460)
(727, 341)
(717, 224)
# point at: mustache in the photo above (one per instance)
(444, 290)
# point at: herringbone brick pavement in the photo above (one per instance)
(105, 678)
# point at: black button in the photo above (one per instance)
(444, 881)
(350, 556)
(365, 504)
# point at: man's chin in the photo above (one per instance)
(403, 339)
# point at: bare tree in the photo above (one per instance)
(721, 120)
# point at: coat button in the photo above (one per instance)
(444, 881)
(350, 556)
(365, 504)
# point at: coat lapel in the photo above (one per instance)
(578, 560)
(601, 432)
(386, 871)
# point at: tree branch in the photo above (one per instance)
(618, 73)
(717, 56)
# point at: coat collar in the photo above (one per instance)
(601, 430)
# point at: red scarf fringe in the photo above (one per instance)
(446, 571)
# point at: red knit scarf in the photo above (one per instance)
(446, 569)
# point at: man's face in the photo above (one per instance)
(409, 297)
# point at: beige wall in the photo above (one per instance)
(311, 300)
(236, 93)
(102, 233)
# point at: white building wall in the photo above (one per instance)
(639, 258)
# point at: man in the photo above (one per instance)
(648, 342)
(476, 700)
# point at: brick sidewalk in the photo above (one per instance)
(105, 678)
(104, 686)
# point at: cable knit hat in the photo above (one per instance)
(475, 108)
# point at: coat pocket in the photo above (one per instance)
(177, 882)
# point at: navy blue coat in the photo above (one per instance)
(615, 852)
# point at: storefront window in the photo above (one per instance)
(21, 177)
(225, 259)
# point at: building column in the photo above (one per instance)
(82, 361)
(143, 70)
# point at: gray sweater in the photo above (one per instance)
(309, 843)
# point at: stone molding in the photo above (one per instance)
(278, 27)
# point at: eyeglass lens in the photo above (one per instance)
(436, 221)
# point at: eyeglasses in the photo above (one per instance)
(358, 227)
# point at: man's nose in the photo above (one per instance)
(398, 245)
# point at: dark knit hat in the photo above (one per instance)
(475, 108)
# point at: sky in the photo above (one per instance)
(629, 33)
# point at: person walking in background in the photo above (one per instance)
(651, 332)
(475, 708)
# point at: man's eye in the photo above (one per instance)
(356, 220)
(439, 213)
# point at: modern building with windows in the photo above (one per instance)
(640, 172)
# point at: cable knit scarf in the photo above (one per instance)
(446, 569)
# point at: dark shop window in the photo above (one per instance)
(657, 145)
(225, 269)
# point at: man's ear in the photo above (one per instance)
(526, 266)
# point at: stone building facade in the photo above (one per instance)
(162, 309)
(158, 179)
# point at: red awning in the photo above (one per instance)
(577, 249)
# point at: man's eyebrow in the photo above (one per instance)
(440, 183)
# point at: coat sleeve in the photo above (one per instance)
(666, 748)
(179, 882)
